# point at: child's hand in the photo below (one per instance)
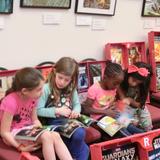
(74, 114)
(63, 111)
(29, 147)
(126, 101)
(112, 112)
(37, 124)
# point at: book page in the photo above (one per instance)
(69, 128)
(109, 125)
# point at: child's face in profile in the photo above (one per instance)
(62, 80)
(133, 82)
(36, 92)
(113, 82)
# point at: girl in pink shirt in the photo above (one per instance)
(18, 110)
(101, 95)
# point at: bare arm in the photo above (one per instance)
(128, 100)
(35, 119)
(5, 130)
(88, 109)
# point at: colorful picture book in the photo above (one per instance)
(83, 78)
(116, 55)
(127, 114)
(29, 133)
(67, 128)
(108, 124)
(157, 48)
(155, 153)
(95, 71)
(134, 55)
(158, 76)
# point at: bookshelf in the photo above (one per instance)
(125, 53)
(154, 59)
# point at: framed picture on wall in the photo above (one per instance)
(151, 8)
(60, 4)
(101, 7)
(6, 6)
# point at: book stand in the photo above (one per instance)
(125, 53)
(142, 146)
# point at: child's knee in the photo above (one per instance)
(79, 134)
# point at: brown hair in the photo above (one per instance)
(68, 67)
(27, 77)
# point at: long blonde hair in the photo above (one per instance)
(69, 67)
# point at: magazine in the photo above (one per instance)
(67, 128)
(29, 133)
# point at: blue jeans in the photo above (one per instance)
(130, 130)
(76, 144)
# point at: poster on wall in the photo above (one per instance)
(63, 4)
(124, 152)
(6, 6)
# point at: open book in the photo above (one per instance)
(67, 128)
(108, 124)
(29, 133)
(127, 114)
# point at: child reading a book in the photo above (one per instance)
(101, 95)
(134, 92)
(18, 111)
(60, 102)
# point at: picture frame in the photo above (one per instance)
(105, 7)
(6, 6)
(63, 4)
(151, 8)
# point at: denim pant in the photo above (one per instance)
(76, 144)
(130, 130)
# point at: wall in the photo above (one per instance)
(25, 41)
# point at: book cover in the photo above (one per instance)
(95, 71)
(30, 134)
(116, 55)
(82, 78)
(121, 152)
(157, 48)
(155, 153)
(110, 125)
(158, 76)
(134, 55)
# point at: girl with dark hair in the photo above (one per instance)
(101, 95)
(18, 111)
(134, 92)
(60, 102)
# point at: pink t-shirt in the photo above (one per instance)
(20, 109)
(102, 98)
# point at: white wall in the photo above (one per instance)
(25, 41)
